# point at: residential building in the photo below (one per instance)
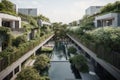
(42, 23)
(110, 19)
(15, 7)
(10, 21)
(32, 34)
(28, 11)
(93, 10)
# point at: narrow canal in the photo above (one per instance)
(60, 67)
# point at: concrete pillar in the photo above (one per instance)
(104, 23)
(0, 45)
(34, 53)
(20, 23)
(0, 22)
(20, 68)
(13, 25)
(95, 23)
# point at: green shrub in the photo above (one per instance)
(46, 49)
(111, 7)
(7, 7)
(80, 63)
(28, 74)
(19, 40)
(11, 54)
(72, 50)
(41, 62)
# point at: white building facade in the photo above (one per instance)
(93, 10)
(110, 19)
(10, 21)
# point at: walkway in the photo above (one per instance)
(86, 76)
(17, 63)
(111, 69)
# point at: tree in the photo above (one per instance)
(109, 37)
(80, 63)
(19, 40)
(111, 7)
(8, 5)
(43, 18)
(42, 63)
(2, 6)
(28, 74)
(72, 50)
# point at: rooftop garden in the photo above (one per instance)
(7, 7)
(103, 41)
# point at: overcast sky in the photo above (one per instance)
(61, 10)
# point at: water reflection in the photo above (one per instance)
(60, 68)
(75, 71)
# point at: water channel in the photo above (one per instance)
(60, 67)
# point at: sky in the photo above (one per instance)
(61, 10)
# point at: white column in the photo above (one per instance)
(20, 23)
(0, 22)
(13, 24)
(34, 53)
(19, 67)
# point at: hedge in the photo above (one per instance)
(10, 55)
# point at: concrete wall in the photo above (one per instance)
(28, 11)
(15, 22)
(101, 21)
(93, 10)
(118, 19)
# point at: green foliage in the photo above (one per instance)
(87, 23)
(80, 63)
(74, 23)
(28, 74)
(19, 40)
(43, 18)
(41, 62)
(5, 36)
(47, 49)
(8, 57)
(26, 26)
(72, 50)
(33, 22)
(30, 19)
(104, 42)
(111, 7)
(7, 7)
(107, 36)
(2, 6)
(45, 29)
(59, 30)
